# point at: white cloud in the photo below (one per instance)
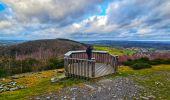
(5, 24)
(63, 11)
(67, 18)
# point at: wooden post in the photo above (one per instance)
(116, 61)
(85, 64)
(93, 69)
(88, 64)
(81, 64)
(66, 66)
(78, 68)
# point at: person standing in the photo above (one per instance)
(89, 52)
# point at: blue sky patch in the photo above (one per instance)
(2, 6)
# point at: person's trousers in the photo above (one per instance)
(89, 56)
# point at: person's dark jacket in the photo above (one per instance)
(89, 52)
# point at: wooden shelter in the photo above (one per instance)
(77, 65)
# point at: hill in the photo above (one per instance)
(160, 45)
(10, 42)
(40, 49)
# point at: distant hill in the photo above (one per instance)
(41, 49)
(161, 45)
(10, 42)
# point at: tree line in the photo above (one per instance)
(10, 66)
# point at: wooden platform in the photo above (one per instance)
(101, 69)
(77, 65)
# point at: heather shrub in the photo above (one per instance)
(140, 66)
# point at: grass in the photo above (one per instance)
(155, 80)
(115, 51)
(37, 84)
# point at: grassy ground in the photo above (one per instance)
(37, 84)
(115, 51)
(155, 81)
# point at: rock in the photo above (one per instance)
(3, 79)
(151, 97)
(72, 89)
(144, 98)
(48, 97)
(56, 79)
(53, 80)
(119, 89)
(15, 88)
(14, 77)
(1, 90)
(89, 86)
(1, 87)
(13, 83)
(37, 98)
(65, 97)
(21, 87)
(99, 89)
(105, 81)
(60, 71)
(6, 89)
(39, 73)
(73, 98)
(109, 88)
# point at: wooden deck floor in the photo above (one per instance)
(103, 69)
(100, 70)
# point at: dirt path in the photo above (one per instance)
(106, 89)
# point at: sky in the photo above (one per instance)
(85, 19)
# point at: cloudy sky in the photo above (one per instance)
(85, 19)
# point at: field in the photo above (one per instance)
(115, 51)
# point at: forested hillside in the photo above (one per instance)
(35, 55)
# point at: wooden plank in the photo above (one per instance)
(73, 68)
(70, 61)
(66, 66)
(81, 68)
(93, 69)
(85, 64)
(78, 68)
(75, 65)
(88, 64)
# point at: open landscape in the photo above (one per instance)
(84, 49)
(128, 83)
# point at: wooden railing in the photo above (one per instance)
(77, 64)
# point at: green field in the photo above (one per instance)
(115, 51)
